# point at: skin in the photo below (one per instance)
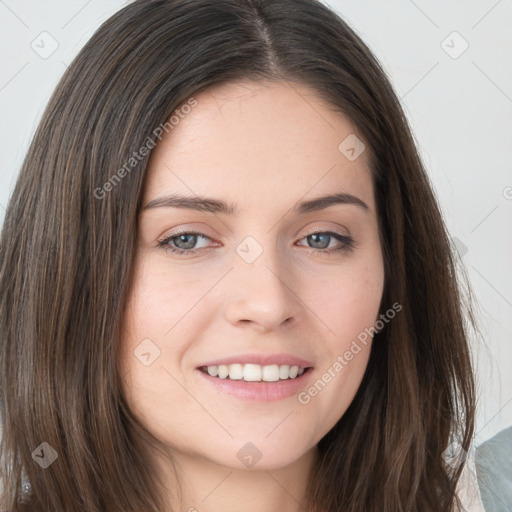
(264, 147)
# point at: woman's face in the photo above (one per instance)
(271, 281)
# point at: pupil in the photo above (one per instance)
(324, 245)
(190, 244)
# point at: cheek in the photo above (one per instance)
(348, 304)
(163, 314)
(156, 304)
(159, 299)
(348, 299)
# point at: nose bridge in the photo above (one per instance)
(263, 292)
(262, 262)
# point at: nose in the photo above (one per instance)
(263, 296)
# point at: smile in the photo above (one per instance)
(254, 372)
(255, 382)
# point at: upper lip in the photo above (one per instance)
(261, 359)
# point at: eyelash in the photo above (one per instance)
(348, 243)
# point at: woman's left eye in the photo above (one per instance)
(185, 243)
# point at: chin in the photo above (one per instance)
(260, 453)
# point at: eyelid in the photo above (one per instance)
(318, 229)
(185, 231)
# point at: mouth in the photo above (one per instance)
(250, 372)
(249, 381)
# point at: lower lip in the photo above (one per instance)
(262, 391)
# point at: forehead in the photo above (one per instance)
(254, 141)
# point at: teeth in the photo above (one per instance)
(223, 371)
(270, 373)
(255, 372)
(236, 371)
(252, 372)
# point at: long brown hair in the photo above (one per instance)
(68, 245)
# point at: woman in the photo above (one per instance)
(226, 282)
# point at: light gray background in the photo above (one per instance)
(459, 106)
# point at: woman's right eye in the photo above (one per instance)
(186, 240)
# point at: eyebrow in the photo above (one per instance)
(206, 204)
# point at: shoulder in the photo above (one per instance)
(493, 463)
